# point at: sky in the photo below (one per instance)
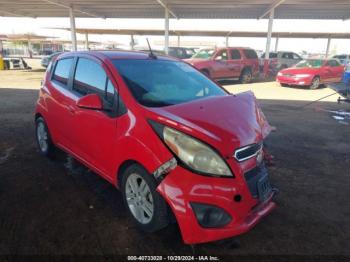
(41, 26)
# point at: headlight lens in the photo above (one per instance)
(279, 74)
(302, 75)
(193, 153)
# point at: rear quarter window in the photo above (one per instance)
(62, 70)
(250, 54)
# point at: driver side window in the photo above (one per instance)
(221, 55)
(91, 78)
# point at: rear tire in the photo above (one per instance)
(246, 76)
(145, 205)
(43, 138)
(315, 83)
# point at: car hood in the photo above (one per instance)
(302, 70)
(225, 122)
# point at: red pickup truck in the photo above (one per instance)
(227, 63)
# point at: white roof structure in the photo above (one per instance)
(222, 9)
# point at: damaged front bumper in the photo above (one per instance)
(210, 208)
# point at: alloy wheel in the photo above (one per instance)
(42, 137)
(315, 83)
(139, 198)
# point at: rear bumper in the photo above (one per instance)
(180, 188)
(304, 81)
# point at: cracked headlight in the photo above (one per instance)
(194, 154)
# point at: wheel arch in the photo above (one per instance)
(246, 67)
(124, 165)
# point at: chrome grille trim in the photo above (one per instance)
(254, 148)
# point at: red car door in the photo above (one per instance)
(235, 62)
(59, 101)
(95, 131)
(337, 70)
(219, 65)
(326, 72)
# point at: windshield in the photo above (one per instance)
(204, 53)
(156, 83)
(314, 63)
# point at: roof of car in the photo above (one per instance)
(122, 54)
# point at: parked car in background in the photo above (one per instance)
(346, 76)
(181, 52)
(174, 142)
(280, 60)
(227, 63)
(312, 73)
(344, 59)
(45, 61)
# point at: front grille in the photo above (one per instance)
(247, 152)
(288, 75)
(253, 176)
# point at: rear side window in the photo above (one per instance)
(340, 56)
(287, 55)
(333, 63)
(271, 55)
(296, 56)
(235, 54)
(250, 54)
(89, 77)
(62, 70)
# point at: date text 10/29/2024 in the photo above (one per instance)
(173, 258)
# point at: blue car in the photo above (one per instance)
(346, 76)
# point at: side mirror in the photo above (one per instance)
(91, 101)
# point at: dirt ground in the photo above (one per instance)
(48, 207)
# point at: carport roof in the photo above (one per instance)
(245, 9)
(207, 33)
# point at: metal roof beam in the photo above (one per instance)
(14, 13)
(272, 7)
(161, 2)
(83, 11)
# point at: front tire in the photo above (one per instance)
(315, 83)
(43, 138)
(246, 76)
(146, 206)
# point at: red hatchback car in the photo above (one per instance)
(227, 63)
(312, 73)
(169, 138)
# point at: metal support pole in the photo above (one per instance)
(30, 48)
(166, 32)
(178, 40)
(1, 48)
(86, 41)
(328, 46)
(268, 43)
(132, 42)
(72, 29)
(227, 41)
(276, 44)
(269, 34)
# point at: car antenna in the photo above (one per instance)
(151, 55)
